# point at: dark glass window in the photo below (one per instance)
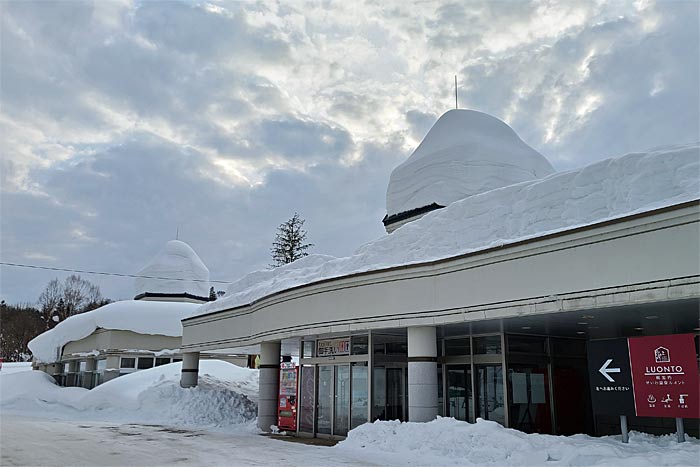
(487, 345)
(569, 347)
(527, 344)
(308, 350)
(359, 345)
(457, 347)
(162, 361)
(128, 362)
(177, 360)
(145, 362)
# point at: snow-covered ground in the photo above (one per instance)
(145, 418)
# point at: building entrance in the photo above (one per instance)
(459, 392)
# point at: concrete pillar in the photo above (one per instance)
(89, 376)
(269, 384)
(190, 369)
(111, 368)
(422, 374)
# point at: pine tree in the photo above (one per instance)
(289, 243)
(212, 294)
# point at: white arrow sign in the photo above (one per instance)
(604, 370)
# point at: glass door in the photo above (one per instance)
(459, 392)
(395, 394)
(306, 395)
(360, 396)
(324, 401)
(529, 407)
(490, 397)
(341, 407)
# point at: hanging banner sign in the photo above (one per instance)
(332, 347)
(665, 376)
(654, 376)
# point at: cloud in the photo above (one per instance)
(123, 121)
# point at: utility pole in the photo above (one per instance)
(456, 106)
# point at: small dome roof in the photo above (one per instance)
(179, 263)
(465, 153)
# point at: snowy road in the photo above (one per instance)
(31, 441)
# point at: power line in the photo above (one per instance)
(102, 273)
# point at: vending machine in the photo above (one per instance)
(287, 407)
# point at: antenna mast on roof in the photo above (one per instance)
(177, 233)
(456, 106)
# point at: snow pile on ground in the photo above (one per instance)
(226, 397)
(179, 263)
(447, 441)
(143, 317)
(606, 190)
(14, 367)
(464, 153)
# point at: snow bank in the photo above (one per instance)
(224, 399)
(447, 441)
(606, 190)
(464, 153)
(143, 317)
(176, 261)
(14, 367)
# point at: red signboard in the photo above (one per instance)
(665, 376)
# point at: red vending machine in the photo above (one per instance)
(287, 407)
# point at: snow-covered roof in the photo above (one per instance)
(177, 262)
(143, 317)
(602, 191)
(465, 153)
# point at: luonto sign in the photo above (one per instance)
(665, 376)
(655, 376)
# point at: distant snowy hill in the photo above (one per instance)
(465, 153)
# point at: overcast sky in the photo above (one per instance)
(124, 121)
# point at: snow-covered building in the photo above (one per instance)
(481, 309)
(465, 153)
(129, 335)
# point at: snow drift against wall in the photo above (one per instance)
(226, 397)
(609, 189)
(179, 263)
(143, 317)
(464, 153)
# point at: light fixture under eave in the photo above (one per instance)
(639, 329)
(580, 332)
(583, 323)
(526, 327)
(587, 316)
(651, 317)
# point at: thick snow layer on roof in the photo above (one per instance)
(464, 153)
(605, 190)
(143, 317)
(179, 263)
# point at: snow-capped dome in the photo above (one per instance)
(179, 263)
(465, 153)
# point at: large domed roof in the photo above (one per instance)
(465, 153)
(179, 264)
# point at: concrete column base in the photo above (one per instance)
(269, 384)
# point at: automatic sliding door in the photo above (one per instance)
(459, 392)
(341, 406)
(324, 402)
(490, 396)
